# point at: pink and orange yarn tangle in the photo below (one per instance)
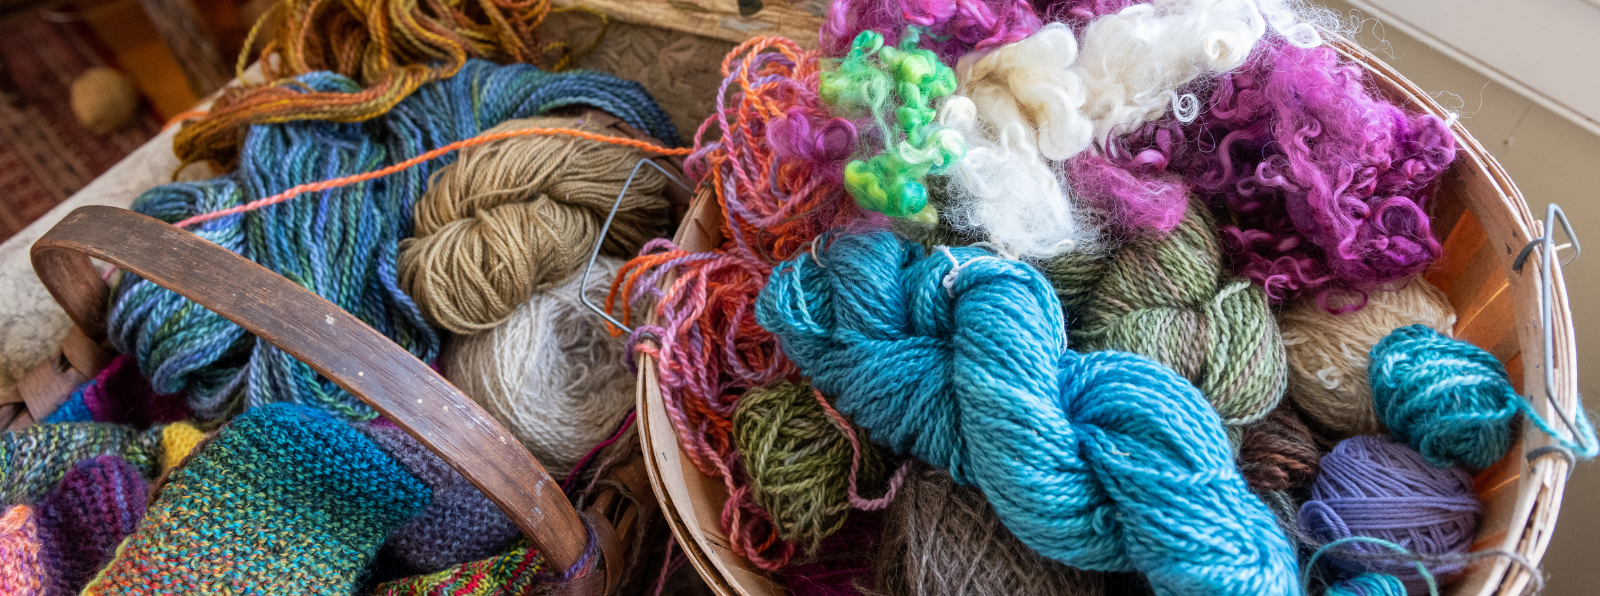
(776, 169)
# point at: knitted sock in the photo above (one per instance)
(177, 440)
(83, 519)
(35, 458)
(460, 524)
(515, 572)
(20, 571)
(285, 500)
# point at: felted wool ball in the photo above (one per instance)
(1328, 353)
(103, 99)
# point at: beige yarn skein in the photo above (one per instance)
(551, 373)
(513, 217)
(1328, 353)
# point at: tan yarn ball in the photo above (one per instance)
(1328, 353)
(521, 215)
(103, 99)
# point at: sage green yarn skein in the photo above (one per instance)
(1171, 299)
(798, 461)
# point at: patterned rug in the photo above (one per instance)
(45, 155)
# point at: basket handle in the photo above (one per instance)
(330, 340)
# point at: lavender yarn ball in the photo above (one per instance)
(1372, 486)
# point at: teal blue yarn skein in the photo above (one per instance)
(1104, 461)
(341, 243)
(1452, 401)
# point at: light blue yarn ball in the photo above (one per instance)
(1368, 584)
(1105, 461)
(1446, 398)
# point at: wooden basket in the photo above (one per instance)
(1485, 225)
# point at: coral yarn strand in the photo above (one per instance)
(413, 162)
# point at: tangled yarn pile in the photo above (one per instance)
(1170, 300)
(894, 87)
(520, 216)
(960, 359)
(551, 374)
(1453, 402)
(1328, 353)
(799, 460)
(1325, 181)
(388, 48)
(942, 539)
(1370, 486)
(775, 165)
(342, 244)
(285, 499)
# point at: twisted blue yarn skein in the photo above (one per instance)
(341, 243)
(1105, 461)
(1452, 401)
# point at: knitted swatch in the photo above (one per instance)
(35, 458)
(514, 573)
(459, 524)
(283, 501)
(20, 571)
(960, 359)
(85, 517)
(1172, 300)
(72, 410)
(119, 394)
(177, 441)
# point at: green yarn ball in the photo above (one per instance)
(798, 461)
(1172, 300)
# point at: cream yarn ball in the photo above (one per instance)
(1328, 353)
(551, 373)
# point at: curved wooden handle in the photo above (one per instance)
(330, 340)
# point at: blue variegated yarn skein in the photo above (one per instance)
(1104, 461)
(340, 243)
(1453, 402)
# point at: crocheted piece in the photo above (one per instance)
(20, 572)
(285, 500)
(515, 572)
(35, 458)
(459, 525)
(83, 519)
(120, 394)
(177, 441)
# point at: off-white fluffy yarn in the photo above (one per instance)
(1328, 353)
(1132, 61)
(551, 373)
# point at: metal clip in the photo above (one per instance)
(583, 296)
(1547, 252)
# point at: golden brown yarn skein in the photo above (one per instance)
(510, 218)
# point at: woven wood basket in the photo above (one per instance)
(1484, 224)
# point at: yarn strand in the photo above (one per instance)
(481, 139)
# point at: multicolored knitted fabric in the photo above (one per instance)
(120, 394)
(20, 571)
(177, 441)
(459, 525)
(85, 517)
(513, 573)
(35, 458)
(284, 501)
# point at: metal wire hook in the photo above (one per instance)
(1547, 251)
(583, 296)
